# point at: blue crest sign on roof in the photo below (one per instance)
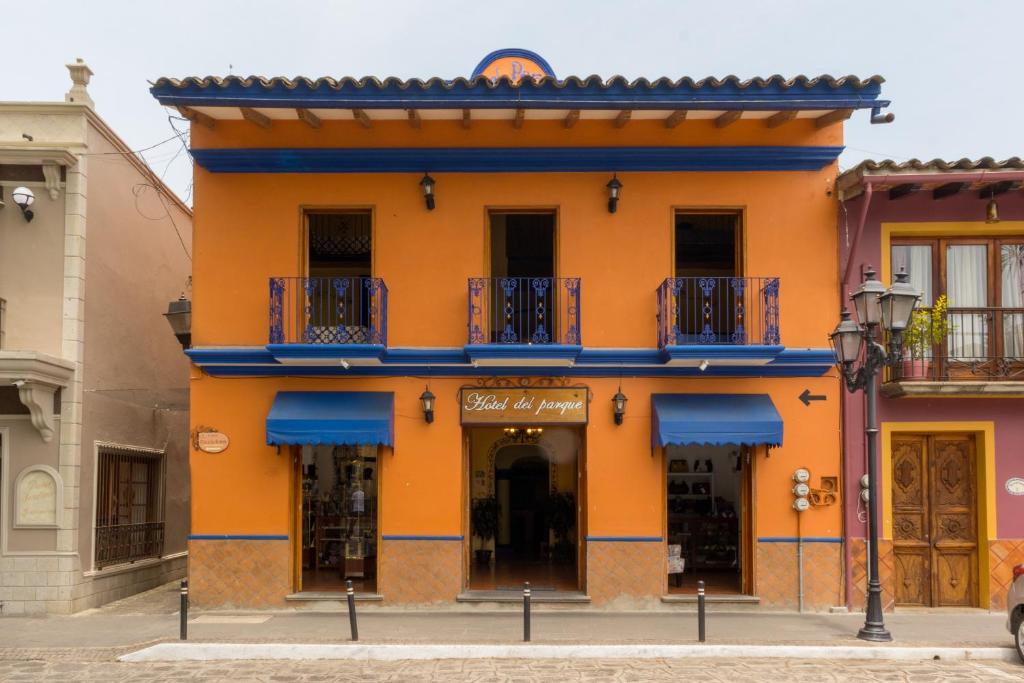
(514, 64)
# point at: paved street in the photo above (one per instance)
(450, 671)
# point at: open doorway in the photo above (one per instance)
(339, 518)
(523, 294)
(712, 296)
(338, 292)
(523, 508)
(708, 512)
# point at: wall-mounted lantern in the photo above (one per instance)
(24, 198)
(179, 315)
(427, 183)
(614, 185)
(427, 399)
(619, 405)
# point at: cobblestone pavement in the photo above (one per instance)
(520, 671)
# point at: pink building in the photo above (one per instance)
(951, 414)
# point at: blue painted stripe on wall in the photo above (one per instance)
(237, 537)
(625, 539)
(794, 539)
(512, 371)
(406, 537)
(514, 159)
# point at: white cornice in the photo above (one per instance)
(60, 153)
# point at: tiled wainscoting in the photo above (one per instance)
(239, 572)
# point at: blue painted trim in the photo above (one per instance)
(626, 539)
(513, 52)
(794, 539)
(712, 352)
(455, 362)
(566, 352)
(512, 371)
(514, 159)
(239, 355)
(549, 93)
(806, 357)
(237, 537)
(325, 351)
(598, 356)
(408, 537)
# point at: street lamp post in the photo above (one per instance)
(855, 342)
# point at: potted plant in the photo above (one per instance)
(561, 515)
(928, 328)
(483, 518)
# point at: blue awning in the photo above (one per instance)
(714, 420)
(332, 417)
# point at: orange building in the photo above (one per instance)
(454, 335)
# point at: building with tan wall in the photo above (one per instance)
(93, 387)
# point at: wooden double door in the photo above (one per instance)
(935, 520)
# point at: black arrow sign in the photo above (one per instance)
(807, 397)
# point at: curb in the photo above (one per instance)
(177, 652)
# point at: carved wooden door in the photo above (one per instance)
(934, 520)
(954, 522)
(910, 534)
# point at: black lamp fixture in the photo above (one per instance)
(614, 185)
(619, 405)
(24, 198)
(427, 183)
(179, 315)
(427, 399)
(861, 357)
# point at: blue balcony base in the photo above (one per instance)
(724, 354)
(540, 355)
(319, 354)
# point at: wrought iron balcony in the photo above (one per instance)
(328, 310)
(970, 345)
(718, 310)
(524, 310)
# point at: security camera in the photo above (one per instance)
(24, 198)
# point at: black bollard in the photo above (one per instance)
(184, 609)
(526, 612)
(700, 611)
(352, 610)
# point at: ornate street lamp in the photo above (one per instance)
(856, 343)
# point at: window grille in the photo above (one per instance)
(129, 506)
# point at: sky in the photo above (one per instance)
(951, 68)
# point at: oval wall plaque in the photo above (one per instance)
(212, 442)
(1015, 486)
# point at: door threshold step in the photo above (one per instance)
(312, 596)
(717, 599)
(516, 596)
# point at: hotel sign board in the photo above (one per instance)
(523, 405)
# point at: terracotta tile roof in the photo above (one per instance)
(870, 166)
(773, 93)
(686, 82)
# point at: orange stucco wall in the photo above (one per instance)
(244, 490)
(248, 227)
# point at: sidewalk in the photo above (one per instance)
(153, 617)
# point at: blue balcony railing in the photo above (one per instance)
(524, 310)
(718, 310)
(328, 310)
